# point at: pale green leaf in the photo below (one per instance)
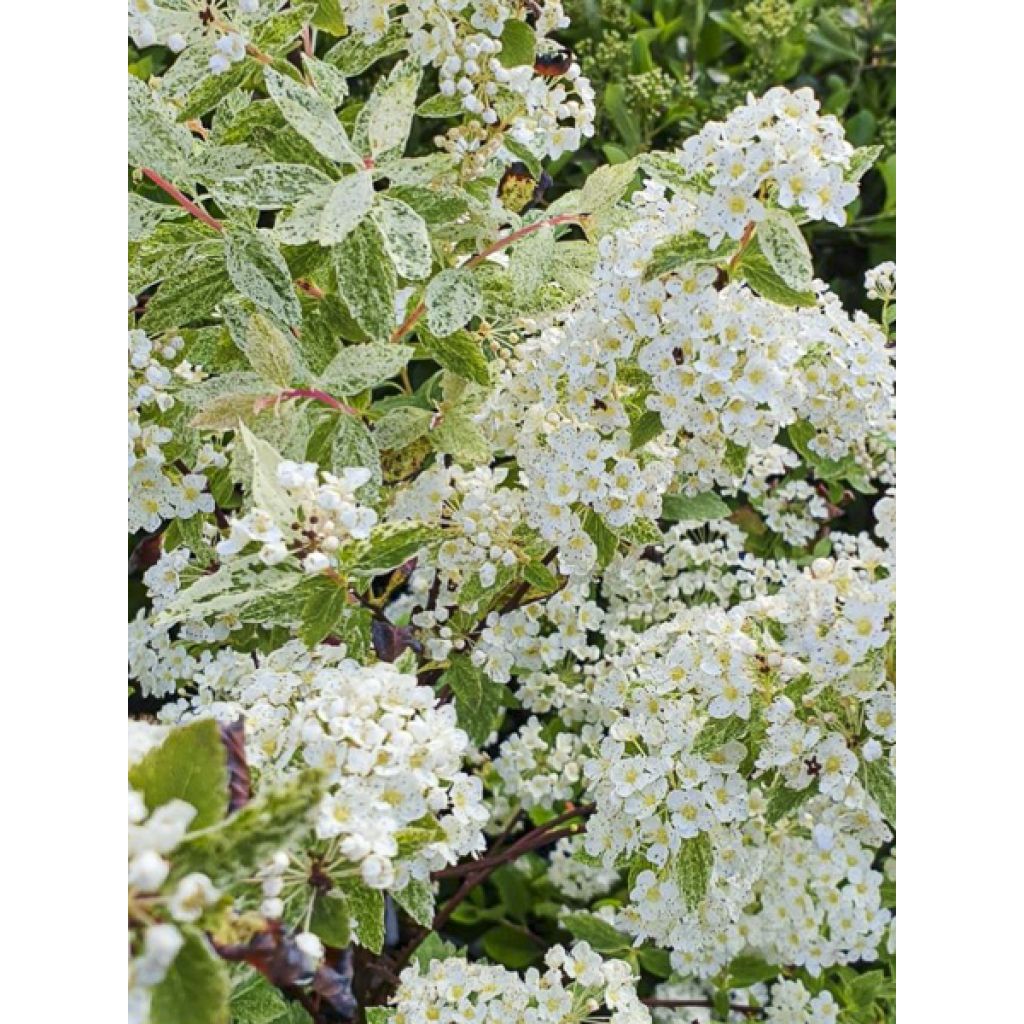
(269, 186)
(784, 246)
(196, 988)
(366, 279)
(312, 117)
(406, 238)
(358, 367)
(452, 299)
(699, 508)
(259, 271)
(155, 139)
(400, 427)
(190, 765)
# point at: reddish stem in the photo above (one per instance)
(182, 200)
(313, 393)
(563, 218)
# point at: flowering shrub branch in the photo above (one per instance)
(519, 620)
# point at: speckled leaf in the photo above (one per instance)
(258, 270)
(358, 367)
(367, 908)
(452, 299)
(692, 867)
(459, 436)
(155, 139)
(785, 248)
(366, 279)
(387, 116)
(406, 238)
(328, 80)
(348, 202)
(352, 56)
(144, 215)
(417, 900)
(267, 493)
(188, 294)
(269, 186)
(312, 117)
(269, 352)
(461, 353)
(400, 427)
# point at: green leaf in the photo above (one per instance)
(716, 732)
(195, 989)
(417, 900)
(189, 293)
(700, 508)
(511, 947)
(518, 44)
(692, 868)
(784, 246)
(459, 353)
(329, 17)
(256, 1001)
(144, 215)
(352, 56)
(358, 367)
(327, 79)
(602, 936)
(452, 298)
(761, 276)
(269, 352)
(748, 970)
(258, 270)
(389, 546)
(440, 106)
(380, 1014)
(881, 786)
(273, 820)
(353, 445)
(861, 161)
(312, 117)
(387, 116)
(331, 919)
(605, 540)
(330, 213)
(433, 947)
(190, 765)
(366, 279)
(366, 906)
(406, 238)
(645, 428)
(679, 251)
(538, 575)
(457, 434)
(782, 801)
(655, 961)
(269, 186)
(155, 139)
(477, 698)
(400, 427)
(606, 186)
(866, 987)
(324, 606)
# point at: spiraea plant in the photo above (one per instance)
(514, 634)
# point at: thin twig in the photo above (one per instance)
(181, 199)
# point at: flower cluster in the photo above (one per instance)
(807, 662)
(778, 147)
(726, 371)
(880, 281)
(574, 987)
(326, 512)
(398, 803)
(158, 490)
(547, 107)
(573, 877)
(201, 24)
